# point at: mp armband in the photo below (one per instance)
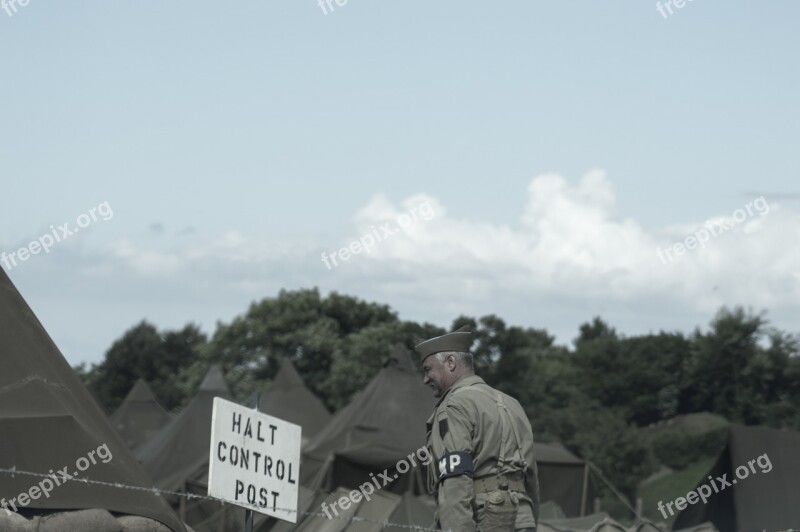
(455, 464)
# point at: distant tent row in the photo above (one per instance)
(177, 457)
(174, 450)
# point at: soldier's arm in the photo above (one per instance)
(456, 492)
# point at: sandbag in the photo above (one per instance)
(135, 523)
(13, 522)
(94, 520)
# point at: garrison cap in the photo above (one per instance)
(459, 340)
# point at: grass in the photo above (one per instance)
(670, 486)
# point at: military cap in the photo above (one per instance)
(459, 340)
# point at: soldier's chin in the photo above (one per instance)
(437, 392)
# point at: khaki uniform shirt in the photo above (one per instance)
(467, 419)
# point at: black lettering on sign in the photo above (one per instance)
(275, 500)
(221, 451)
(455, 464)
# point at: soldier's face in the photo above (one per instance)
(435, 375)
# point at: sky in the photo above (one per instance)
(543, 161)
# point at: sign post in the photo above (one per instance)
(248, 514)
(254, 460)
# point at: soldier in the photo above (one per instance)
(481, 442)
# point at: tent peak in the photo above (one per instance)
(214, 381)
(400, 358)
(287, 375)
(140, 392)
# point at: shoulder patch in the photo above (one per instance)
(455, 464)
(442, 428)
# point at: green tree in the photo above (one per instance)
(718, 363)
(361, 355)
(300, 325)
(144, 352)
(642, 377)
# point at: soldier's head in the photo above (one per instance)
(445, 368)
(446, 359)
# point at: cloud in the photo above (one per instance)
(570, 241)
(569, 255)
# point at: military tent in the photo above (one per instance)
(384, 423)
(177, 458)
(564, 479)
(50, 422)
(139, 416)
(179, 452)
(762, 466)
(288, 398)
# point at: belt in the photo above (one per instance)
(512, 482)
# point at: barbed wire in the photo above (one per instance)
(189, 496)
(22, 382)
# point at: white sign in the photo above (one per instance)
(255, 460)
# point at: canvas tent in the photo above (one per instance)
(564, 479)
(384, 423)
(179, 452)
(139, 416)
(763, 498)
(288, 398)
(177, 458)
(48, 420)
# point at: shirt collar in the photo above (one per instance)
(465, 381)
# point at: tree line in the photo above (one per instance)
(592, 397)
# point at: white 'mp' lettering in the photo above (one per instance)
(455, 460)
